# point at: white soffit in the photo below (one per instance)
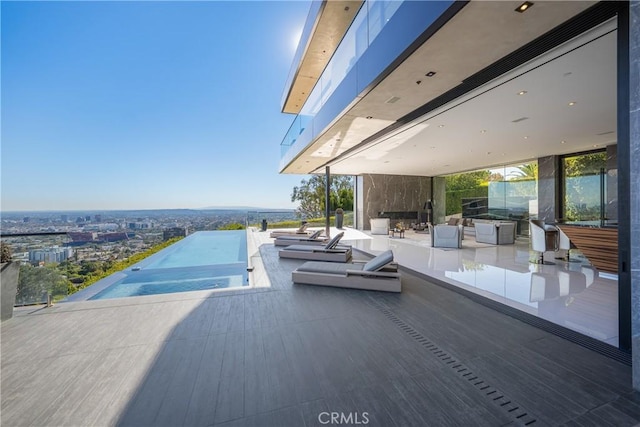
(496, 124)
(478, 35)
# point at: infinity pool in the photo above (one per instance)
(203, 260)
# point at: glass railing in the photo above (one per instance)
(354, 66)
(55, 265)
(39, 280)
(302, 45)
(268, 220)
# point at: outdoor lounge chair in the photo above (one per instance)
(312, 239)
(302, 231)
(330, 252)
(379, 274)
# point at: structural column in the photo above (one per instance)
(327, 203)
(634, 182)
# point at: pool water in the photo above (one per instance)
(203, 260)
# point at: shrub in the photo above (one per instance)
(6, 252)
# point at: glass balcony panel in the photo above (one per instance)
(371, 44)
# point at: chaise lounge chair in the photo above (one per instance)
(379, 274)
(312, 239)
(302, 231)
(330, 252)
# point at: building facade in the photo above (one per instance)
(48, 255)
(406, 95)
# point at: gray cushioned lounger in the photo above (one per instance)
(384, 278)
(316, 253)
(300, 240)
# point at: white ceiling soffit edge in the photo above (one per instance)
(601, 78)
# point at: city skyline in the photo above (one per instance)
(145, 105)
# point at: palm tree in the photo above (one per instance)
(527, 171)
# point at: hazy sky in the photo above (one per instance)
(144, 105)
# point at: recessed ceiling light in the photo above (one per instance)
(483, 131)
(386, 161)
(563, 142)
(567, 74)
(595, 145)
(524, 6)
(418, 82)
(488, 152)
(572, 103)
(526, 137)
(440, 126)
(522, 92)
(430, 74)
(369, 117)
(433, 148)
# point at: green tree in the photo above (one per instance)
(232, 226)
(311, 195)
(525, 172)
(467, 180)
(35, 282)
(582, 177)
(88, 267)
(468, 184)
(585, 164)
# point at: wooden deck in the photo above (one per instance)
(290, 355)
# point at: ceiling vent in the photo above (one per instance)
(392, 100)
(519, 120)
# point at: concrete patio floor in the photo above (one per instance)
(280, 354)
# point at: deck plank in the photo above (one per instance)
(284, 354)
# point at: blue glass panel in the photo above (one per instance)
(381, 31)
(304, 38)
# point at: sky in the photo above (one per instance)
(145, 105)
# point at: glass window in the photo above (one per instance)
(503, 193)
(584, 189)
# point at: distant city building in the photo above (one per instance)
(54, 254)
(170, 233)
(26, 219)
(79, 237)
(140, 225)
(98, 218)
(64, 218)
(112, 237)
(109, 226)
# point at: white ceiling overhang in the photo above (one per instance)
(492, 124)
(331, 24)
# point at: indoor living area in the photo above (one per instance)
(571, 285)
(516, 126)
(537, 144)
